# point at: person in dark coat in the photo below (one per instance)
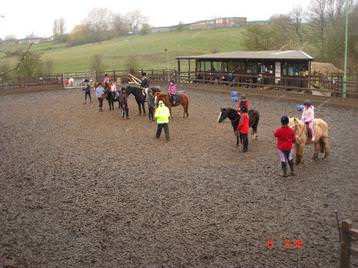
(151, 105)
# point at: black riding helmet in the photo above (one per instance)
(284, 120)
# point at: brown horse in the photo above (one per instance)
(183, 101)
(320, 138)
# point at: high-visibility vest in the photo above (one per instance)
(162, 115)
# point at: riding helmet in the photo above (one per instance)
(284, 120)
(306, 102)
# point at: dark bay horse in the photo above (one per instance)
(183, 101)
(110, 97)
(139, 96)
(234, 116)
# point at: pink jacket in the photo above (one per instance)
(308, 114)
(172, 89)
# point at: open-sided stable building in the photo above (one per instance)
(288, 67)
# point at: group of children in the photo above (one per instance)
(285, 135)
(111, 87)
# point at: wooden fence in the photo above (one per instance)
(317, 84)
(349, 236)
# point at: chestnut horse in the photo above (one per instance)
(320, 138)
(183, 101)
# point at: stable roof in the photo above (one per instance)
(267, 55)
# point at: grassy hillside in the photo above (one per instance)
(147, 51)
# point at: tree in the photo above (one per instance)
(58, 27)
(99, 20)
(135, 20)
(145, 28)
(30, 64)
(296, 16)
(97, 64)
(180, 26)
(119, 25)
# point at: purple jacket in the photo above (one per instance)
(172, 89)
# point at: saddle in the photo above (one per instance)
(309, 130)
(174, 99)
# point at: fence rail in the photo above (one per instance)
(349, 236)
(315, 84)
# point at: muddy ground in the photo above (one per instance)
(79, 188)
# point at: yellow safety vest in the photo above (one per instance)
(162, 114)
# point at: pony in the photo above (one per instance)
(111, 98)
(320, 138)
(139, 96)
(234, 116)
(183, 101)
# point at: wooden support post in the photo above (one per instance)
(346, 244)
(189, 71)
(179, 73)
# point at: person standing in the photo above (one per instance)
(286, 137)
(162, 115)
(151, 105)
(123, 102)
(87, 90)
(99, 95)
(308, 117)
(243, 128)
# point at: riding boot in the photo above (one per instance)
(284, 169)
(290, 163)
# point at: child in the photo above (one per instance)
(151, 105)
(243, 103)
(308, 117)
(172, 91)
(87, 91)
(99, 95)
(243, 128)
(286, 136)
(124, 103)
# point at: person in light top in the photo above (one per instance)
(308, 117)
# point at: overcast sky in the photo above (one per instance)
(23, 17)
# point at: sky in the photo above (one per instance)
(20, 18)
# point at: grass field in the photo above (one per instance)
(142, 51)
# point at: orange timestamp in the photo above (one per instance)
(286, 244)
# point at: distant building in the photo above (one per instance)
(219, 23)
(33, 40)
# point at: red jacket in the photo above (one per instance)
(286, 136)
(243, 126)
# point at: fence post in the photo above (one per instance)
(346, 244)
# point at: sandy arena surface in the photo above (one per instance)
(79, 188)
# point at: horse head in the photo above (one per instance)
(298, 127)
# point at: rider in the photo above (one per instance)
(113, 89)
(172, 90)
(243, 103)
(243, 128)
(286, 137)
(145, 83)
(308, 117)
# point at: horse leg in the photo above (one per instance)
(144, 113)
(325, 147)
(237, 138)
(139, 108)
(316, 150)
(299, 154)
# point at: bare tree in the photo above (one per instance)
(58, 27)
(135, 20)
(99, 20)
(119, 25)
(296, 16)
